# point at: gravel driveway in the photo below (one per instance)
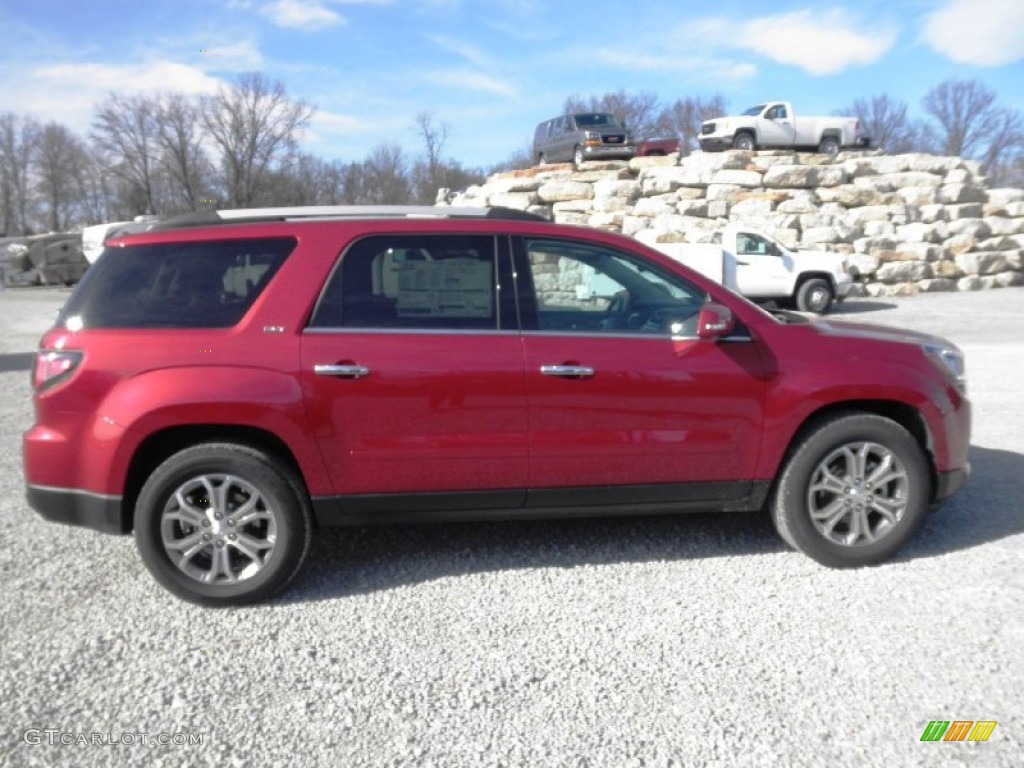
(691, 640)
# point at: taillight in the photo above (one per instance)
(54, 366)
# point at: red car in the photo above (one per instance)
(224, 384)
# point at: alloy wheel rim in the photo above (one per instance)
(218, 529)
(858, 494)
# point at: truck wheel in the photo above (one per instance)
(853, 492)
(829, 146)
(744, 141)
(577, 156)
(541, 160)
(814, 295)
(222, 524)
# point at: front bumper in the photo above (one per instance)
(620, 152)
(950, 482)
(715, 143)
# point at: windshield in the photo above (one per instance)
(597, 119)
(754, 110)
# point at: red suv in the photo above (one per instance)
(223, 384)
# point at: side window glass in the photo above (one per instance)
(584, 288)
(444, 282)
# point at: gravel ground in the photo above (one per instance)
(691, 640)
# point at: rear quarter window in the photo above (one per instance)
(175, 285)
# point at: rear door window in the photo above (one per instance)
(175, 285)
(415, 282)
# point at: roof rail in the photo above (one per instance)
(326, 212)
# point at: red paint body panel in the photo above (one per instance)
(471, 411)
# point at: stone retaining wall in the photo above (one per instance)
(909, 223)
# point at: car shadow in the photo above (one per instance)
(352, 561)
(989, 508)
(20, 361)
(858, 306)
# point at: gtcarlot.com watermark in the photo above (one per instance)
(57, 737)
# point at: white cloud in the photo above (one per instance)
(308, 15)
(984, 33)
(467, 80)
(469, 52)
(242, 56)
(820, 43)
(67, 93)
(728, 69)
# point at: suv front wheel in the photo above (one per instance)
(854, 490)
(222, 524)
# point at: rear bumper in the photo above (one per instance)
(74, 507)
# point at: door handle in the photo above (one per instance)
(342, 371)
(567, 371)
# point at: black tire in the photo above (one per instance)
(263, 548)
(541, 160)
(577, 156)
(814, 295)
(829, 146)
(842, 476)
(745, 141)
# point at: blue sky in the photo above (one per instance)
(492, 69)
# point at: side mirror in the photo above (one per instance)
(715, 321)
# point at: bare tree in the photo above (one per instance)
(125, 129)
(179, 136)
(384, 177)
(59, 158)
(887, 123)
(427, 174)
(18, 139)
(684, 117)
(254, 124)
(635, 110)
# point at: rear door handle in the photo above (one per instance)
(342, 371)
(567, 371)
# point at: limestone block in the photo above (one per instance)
(976, 228)
(560, 191)
(749, 179)
(573, 206)
(800, 201)
(796, 176)
(627, 188)
(982, 263)
(879, 228)
(964, 211)
(1001, 225)
(936, 284)
(971, 283)
(947, 268)
(918, 196)
(962, 193)
(919, 232)
(692, 207)
(1005, 195)
(610, 204)
(932, 213)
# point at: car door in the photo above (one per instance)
(762, 270)
(620, 391)
(413, 373)
(778, 129)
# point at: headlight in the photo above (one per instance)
(950, 361)
(591, 135)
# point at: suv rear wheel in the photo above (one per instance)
(222, 524)
(853, 492)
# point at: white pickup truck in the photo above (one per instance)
(759, 267)
(774, 125)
